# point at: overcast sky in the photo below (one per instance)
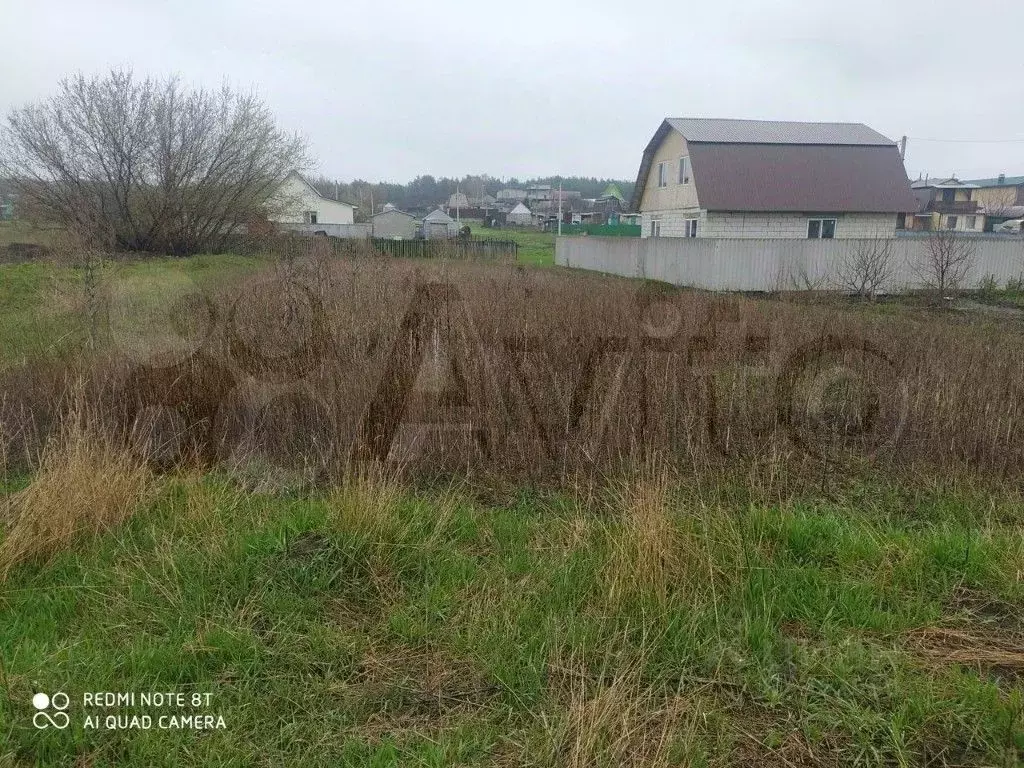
(392, 89)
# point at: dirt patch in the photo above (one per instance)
(407, 691)
(792, 749)
(982, 608)
(987, 649)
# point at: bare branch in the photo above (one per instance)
(146, 165)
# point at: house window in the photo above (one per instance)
(691, 228)
(821, 229)
(655, 227)
(309, 217)
(684, 170)
(949, 195)
(662, 175)
(951, 222)
(972, 222)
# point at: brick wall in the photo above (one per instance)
(767, 225)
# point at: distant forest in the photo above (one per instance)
(428, 191)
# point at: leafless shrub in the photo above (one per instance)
(799, 278)
(867, 268)
(945, 264)
(147, 165)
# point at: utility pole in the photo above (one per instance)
(559, 208)
(903, 148)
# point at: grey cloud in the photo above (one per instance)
(391, 90)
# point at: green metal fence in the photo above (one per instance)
(602, 230)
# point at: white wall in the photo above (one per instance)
(295, 197)
(772, 264)
(763, 226)
(334, 230)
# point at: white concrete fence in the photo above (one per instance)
(778, 265)
(334, 230)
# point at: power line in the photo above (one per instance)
(969, 141)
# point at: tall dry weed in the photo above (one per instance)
(86, 483)
(644, 544)
(617, 720)
(365, 504)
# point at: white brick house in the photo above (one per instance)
(761, 179)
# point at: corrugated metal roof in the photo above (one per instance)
(1006, 181)
(775, 132)
(951, 183)
(439, 216)
(801, 178)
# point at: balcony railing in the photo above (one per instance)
(960, 206)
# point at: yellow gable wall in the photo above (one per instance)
(996, 196)
(675, 196)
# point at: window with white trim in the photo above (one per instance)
(684, 170)
(662, 175)
(972, 222)
(821, 229)
(690, 228)
(951, 222)
(655, 227)
(309, 217)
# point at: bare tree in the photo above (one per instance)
(146, 164)
(867, 268)
(946, 261)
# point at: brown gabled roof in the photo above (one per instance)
(757, 165)
(798, 177)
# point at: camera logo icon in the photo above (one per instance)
(50, 710)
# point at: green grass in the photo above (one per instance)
(535, 248)
(45, 307)
(447, 631)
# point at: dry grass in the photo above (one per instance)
(618, 721)
(983, 649)
(365, 504)
(439, 366)
(645, 554)
(86, 483)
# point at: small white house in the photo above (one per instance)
(298, 202)
(439, 225)
(520, 216)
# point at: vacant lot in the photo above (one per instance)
(645, 561)
(535, 248)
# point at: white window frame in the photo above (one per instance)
(820, 220)
(309, 217)
(690, 227)
(685, 170)
(655, 226)
(971, 222)
(662, 175)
